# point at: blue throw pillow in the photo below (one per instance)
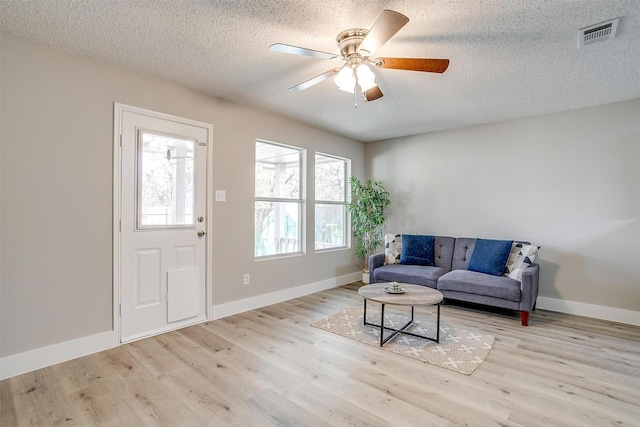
(490, 256)
(417, 249)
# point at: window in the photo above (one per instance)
(165, 181)
(331, 202)
(278, 199)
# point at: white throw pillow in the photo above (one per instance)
(392, 248)
(521, 257)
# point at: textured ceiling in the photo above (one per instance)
(509, 59)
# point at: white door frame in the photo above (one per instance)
(119, 109)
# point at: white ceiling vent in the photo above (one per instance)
(597, 33)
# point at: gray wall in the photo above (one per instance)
(56, 183)
(569, 182)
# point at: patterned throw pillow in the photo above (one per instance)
(392, 248)
(521, 257)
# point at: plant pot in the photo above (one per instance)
(365, 278)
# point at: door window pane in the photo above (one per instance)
(165, 181)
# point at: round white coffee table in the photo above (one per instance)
(413, 295)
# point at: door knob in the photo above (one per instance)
(200, 233)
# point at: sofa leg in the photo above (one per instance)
(524, 317)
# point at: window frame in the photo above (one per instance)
(300, 200)
(345, 203)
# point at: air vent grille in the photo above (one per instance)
(597, 33)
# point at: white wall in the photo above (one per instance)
(569, 182)
(56, 190)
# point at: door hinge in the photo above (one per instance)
(120, 310)
(120, 140)
(120, 225)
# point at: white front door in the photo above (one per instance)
(163, 167)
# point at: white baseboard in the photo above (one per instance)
(17, 364)
(235, 307)
(619, 315)
(28, 361)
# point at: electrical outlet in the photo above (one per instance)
(246, 279)
(221, 195)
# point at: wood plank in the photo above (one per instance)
(7, 407)
(39, 400)
(105, 404)
(270, 367)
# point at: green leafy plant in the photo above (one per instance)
(369, 202)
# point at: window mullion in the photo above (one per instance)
(330, 202)
(277, 200)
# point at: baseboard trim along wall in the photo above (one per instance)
(18, 364)
(601, 312)
(28, 361)
(240, 306)
(32, 360)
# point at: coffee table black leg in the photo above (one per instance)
(438, 326)
(382, 327)
(364, 318)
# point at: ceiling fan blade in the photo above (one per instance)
(314, 81)
(372, 94)
(413, 64)
(387, 24)
(285, 48)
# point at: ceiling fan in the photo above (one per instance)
(356, 47)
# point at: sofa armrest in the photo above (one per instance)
(529, 287)
(375, 261)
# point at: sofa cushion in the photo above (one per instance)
(443, 251)
(475, 283)
(392, 248)
(462, 250)
(417, 249)
(415, 274)
(522, 256)
(490, 256)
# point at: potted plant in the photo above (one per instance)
(368, 204)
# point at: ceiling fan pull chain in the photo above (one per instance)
(355, 99)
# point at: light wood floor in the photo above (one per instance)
(269, 367)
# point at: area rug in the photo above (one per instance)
(459, 350)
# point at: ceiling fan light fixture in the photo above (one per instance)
(366, 78)
(345, 80)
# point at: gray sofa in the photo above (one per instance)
(449, 275)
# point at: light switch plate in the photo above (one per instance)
(221, 195)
